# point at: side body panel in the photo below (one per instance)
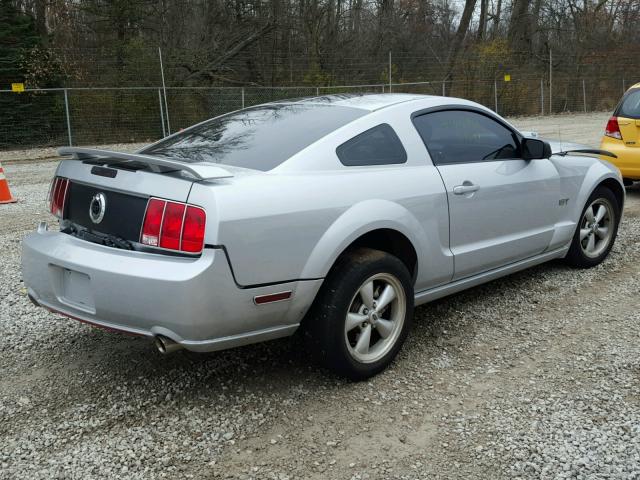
(293, 222)
(281, 227)
(509, 218)
(579, 177)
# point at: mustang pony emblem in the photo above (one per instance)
(97, 207)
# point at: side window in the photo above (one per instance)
(461, 136)
(377, 146)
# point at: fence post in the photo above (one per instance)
(541, 96)
(66, 111)
(383, 88)
(389, 71)
(164, 89)
(243, 97)
(164, 132)
(550, 83)
(584, 96)
(317, 91)
(495, 94)
(444, 89)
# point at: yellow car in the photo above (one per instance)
(622, 135)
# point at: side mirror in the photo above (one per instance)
(534, 149)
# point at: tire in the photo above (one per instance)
(590, 246)
(344, 316)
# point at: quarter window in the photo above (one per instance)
(462, 136)
(377, 146)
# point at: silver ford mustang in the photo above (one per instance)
(331, 215)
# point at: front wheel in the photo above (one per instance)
(362, 315)
(596, 230)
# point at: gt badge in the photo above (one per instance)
(97, 207)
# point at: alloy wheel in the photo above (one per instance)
(596, 227)
(375, 318)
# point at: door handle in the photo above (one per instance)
(466, 187)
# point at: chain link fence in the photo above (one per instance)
(95, 116)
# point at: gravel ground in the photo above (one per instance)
(586, 128)
(536, 375)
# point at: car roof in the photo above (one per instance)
(363, 101)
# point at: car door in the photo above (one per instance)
(501, 208)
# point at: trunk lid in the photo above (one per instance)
(126, 182)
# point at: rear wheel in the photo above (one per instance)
(362, 315)
(596, 230)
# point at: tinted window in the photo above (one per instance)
(377, 146)
(458, 136)
(630, 105)
(260, 138)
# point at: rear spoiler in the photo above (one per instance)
(588, 151)
(568, 148)
(201, 171)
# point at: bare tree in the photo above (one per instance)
(459, 36)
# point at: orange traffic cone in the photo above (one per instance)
(5, 193)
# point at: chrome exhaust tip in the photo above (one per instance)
(165, 345)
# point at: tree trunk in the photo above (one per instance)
(518, 34)
(357, 15)
(41, 20)
(496, 20)
(458, 38)
(482, 21)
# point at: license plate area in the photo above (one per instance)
(75, 289)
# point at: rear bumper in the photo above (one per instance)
(628, 160)
(194, 302)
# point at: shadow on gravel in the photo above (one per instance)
(633, 192)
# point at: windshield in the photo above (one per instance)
(260, 138)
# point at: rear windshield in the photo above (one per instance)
(630, 105)
(260, 138)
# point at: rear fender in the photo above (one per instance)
(363, 217)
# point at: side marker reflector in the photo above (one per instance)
(272, 297)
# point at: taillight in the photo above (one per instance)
(58, 196)
(153, 222)
(193, 229)
(613, 129)
(174, 226)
